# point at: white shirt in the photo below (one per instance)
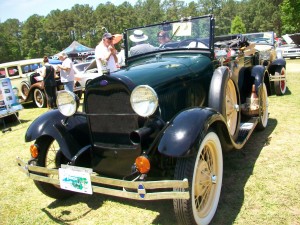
(66, 76)
(100, 52)
(121, 58)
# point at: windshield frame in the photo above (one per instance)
(270, 34)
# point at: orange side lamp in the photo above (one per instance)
(34, 151)
(142, 164)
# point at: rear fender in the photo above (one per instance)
(276, 63)
(70, 137)
(185, 130)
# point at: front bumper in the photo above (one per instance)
(153, 190)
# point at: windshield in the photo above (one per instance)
(264, 38)
(192, 33)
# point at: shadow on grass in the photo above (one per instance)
(238, 167)
(163, 207)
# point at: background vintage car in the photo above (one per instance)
(32, 88)
(157, 128)
(270, 57)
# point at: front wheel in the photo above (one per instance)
(204, 172)
(50, 157)
(280, 86)
(39, 98)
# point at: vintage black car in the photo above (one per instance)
(157, 128)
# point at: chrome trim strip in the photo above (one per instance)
(120, 185)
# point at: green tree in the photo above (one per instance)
(32, 37)
(83, 20)
(237, 26)
(290, 15)
(10, 40)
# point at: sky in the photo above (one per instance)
(22, 9)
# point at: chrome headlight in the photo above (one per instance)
(144, 100)
(67, 102)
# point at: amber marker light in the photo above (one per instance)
(142, 164)
(34, 151)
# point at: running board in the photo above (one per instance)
(246, 130)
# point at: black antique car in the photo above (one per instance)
(157, 128)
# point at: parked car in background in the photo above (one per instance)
(18, 71)
(158, 127)
(85, 72)
(292, 48)
(272, 59)
(32, 89)
(90, 58)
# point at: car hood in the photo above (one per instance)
(296, 38)
(292, 38)
(157, 70)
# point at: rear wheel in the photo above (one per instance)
(280, 86)
(24, 89)
(39, 98)
(50, 156)
(263, 108)
(204, 172)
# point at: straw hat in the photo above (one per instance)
(138, 36)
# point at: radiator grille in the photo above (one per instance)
(110, 116)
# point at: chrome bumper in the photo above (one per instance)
(130, 189)
(273, 78)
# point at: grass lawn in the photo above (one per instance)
(260, 184)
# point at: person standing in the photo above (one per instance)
(48, 73)
(66, 72)
(106, 54)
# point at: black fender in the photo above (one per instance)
(186, 129)
(71, 136)
(217, 90)
(276, 63)
(258, 73)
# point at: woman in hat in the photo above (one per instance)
(139, 38)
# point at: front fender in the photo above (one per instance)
(258, 73)
(185, 130)
(71, 137)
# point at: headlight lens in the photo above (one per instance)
(67, 102)
(144, 100)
